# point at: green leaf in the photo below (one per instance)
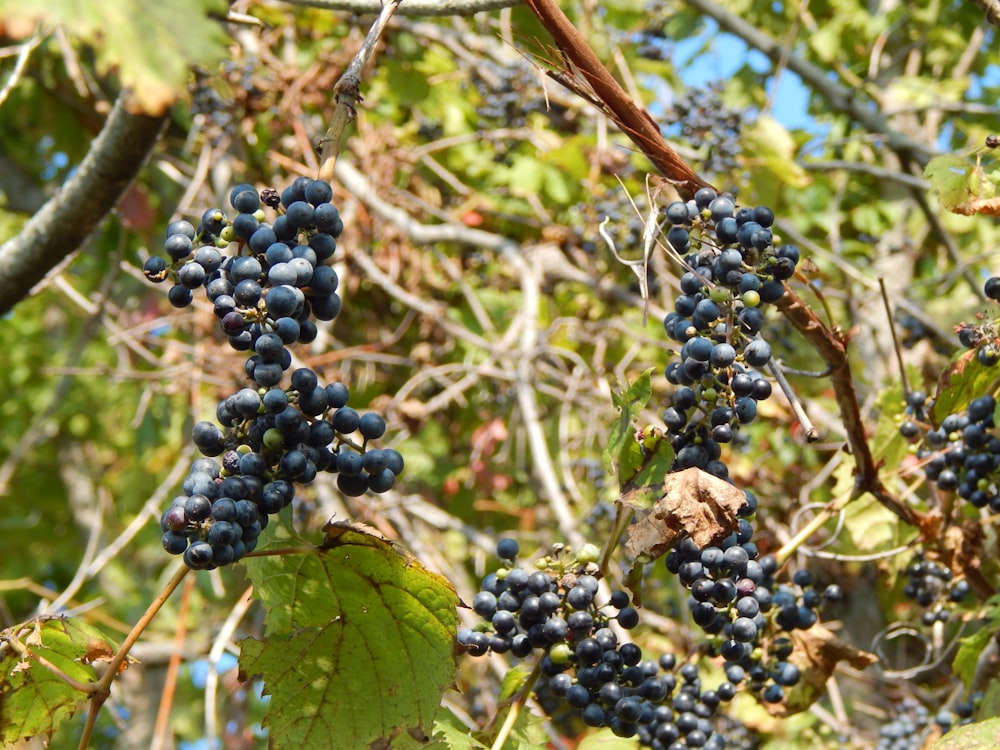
(450, 734)
(359, 644)
(514, 680)
(983, 735)
(965, 380)
(657, 458)
(948, 176)
(34, 700)
(971, 646)
(153, 45)
(969, 649)
(621, 451)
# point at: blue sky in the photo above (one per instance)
(725, 55)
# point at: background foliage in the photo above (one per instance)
(483, 313)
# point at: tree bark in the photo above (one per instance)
(73, 214)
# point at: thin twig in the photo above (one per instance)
(428, 8)
(812, 434)
(347, 92)
(102, 689)
(173, 665)
(22, 60)
(895, 338)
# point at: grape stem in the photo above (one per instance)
(789, 548)
(347, 93)
(623, 516)
(515, 702)
(101, 690)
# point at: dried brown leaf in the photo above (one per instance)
(693, 503)
(816, 652)
(978, 206)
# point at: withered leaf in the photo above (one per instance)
(816, 652)
(691, 503)
(983, 206)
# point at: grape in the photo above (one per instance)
(371, 426)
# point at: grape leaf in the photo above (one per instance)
(971, 647)
(450, 734)
(947, 175)
(967, 378)
(151, 45)
(622, 451)
(656, 459)
(983, 735)
(33, 698)
(359, 641)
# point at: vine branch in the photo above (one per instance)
(604, 92)
(831, 344)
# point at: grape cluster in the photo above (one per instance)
(963, 454)
(267, 282)
(708, 126)
(933, 586)
(554, 611)
(984, 337)
(912, 723)
(735, 599)
(733, 270)
(509, 94)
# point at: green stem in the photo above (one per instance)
(813, 526)
(516, 702)
(623, 516)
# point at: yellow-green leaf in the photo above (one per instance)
(34, 699)
(359, 641)
(152, 45)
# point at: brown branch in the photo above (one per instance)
(831, 344)
(635, 121)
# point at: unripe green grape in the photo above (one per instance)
(719, 294)
(588, 553)
(227, 235)
(273, 438)
(750, 298)
(560, 653)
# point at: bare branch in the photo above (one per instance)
(413, 7)
(992, 10)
